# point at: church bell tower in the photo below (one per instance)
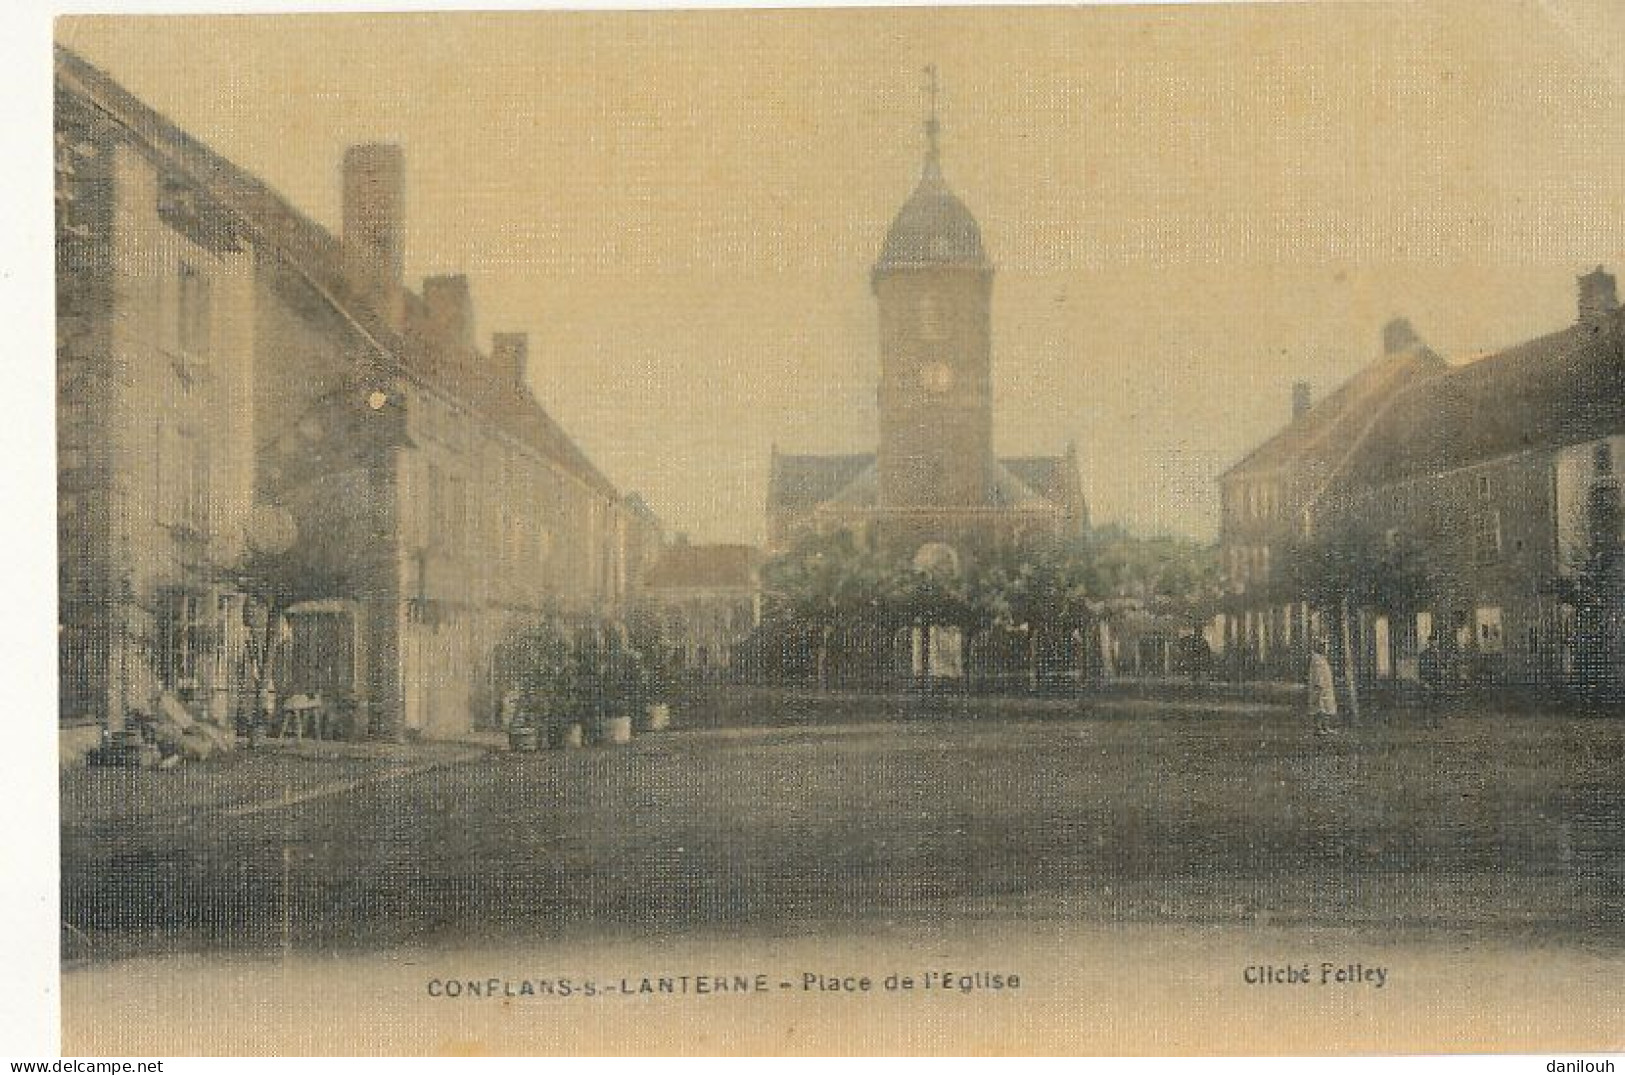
(933, 284)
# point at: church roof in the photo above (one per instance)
(1052, 476)
(802, 483)
(799, 483)
(863, 491)
(933, 229)
(1010, 491)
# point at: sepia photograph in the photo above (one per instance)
(885, 531)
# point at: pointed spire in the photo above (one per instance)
(933, 128)
(933, 228)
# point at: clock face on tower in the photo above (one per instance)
(936, 377)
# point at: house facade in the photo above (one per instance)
(249, 397)
(155, 352)
(1496, 476)
(706, 600)
(1502, 470)
(1269, 500)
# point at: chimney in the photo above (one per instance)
(451, 308)
(374, 223)
(1397, 336)
(510, 354)
(1300, 399)
(1598, 298)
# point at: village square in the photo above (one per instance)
(360, 646)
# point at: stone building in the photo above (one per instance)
(154, 387)
(1269, 499)
(248, 396)
(1499, 471)
(1495, 466)
(706, 600)
(934, 479)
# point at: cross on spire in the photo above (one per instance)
(932, 127)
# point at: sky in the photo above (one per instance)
(1189, 207)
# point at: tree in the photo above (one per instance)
(1598, 584)
(1038, 590)
(283, 564)
(536, 663)
(273, 576)
(1352, 565)
(826, 583)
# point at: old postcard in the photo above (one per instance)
(922, 530)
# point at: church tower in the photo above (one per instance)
(933, 284)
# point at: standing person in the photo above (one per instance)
(1430, 669)
(1322, 690)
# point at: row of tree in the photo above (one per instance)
(830, 586)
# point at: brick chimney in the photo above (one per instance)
(451, 308)
(1398, 335)
(510, 355)
(1598, 297)
(1300, 399)
(375, 224)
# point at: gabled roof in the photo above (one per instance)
(462, 373)
(639, 507)
(1009, 491)
(704, 567)
(1054, 477)
(805, 483)
(1559, 389)
(1042, 474)
(799, 483)
(1318, 441)
(863, 491)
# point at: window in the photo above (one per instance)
(1487, 536)
(319, 654)
(448, 511)
(456, 513)
(182, 495)
(194, 311)
(512, 538)
(1382, 647)
(1488, 623)
(197, 488)
(1424, 628)
(1238, 565)
(1483, 487)
(182, 639)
